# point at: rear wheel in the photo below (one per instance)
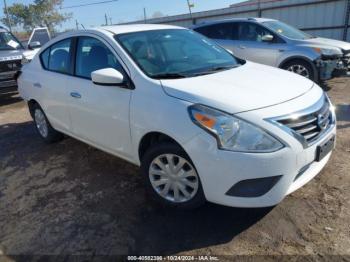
(171, 177)
(43, 126)
(300, 67)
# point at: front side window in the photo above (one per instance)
(9, 42)
(57, 57)
(175, 53)
(93, 55)
(287, 30)
(251, 32)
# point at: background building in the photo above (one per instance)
(326, 18)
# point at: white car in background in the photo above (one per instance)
(13, 53)
(202, 124)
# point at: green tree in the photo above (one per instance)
(40, 13)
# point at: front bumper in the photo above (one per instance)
(8, 79)
(220, 170)
(329, 67)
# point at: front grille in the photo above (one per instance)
(308, 127)
(12, 65)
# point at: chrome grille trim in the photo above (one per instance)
(309, 125)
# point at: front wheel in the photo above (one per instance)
(300, 67)
(171, 177)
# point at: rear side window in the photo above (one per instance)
(223, 31)
(93, 55)
(45, 58)
(57, 57)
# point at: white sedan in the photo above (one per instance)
(201, 123)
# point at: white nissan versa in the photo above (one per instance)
(202, 124)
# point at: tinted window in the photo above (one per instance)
(9, 42)
(224, 31)
(251, 32)
(93, 55)
(40, 35)
(45, 58)
(59, 58)
(175, 53)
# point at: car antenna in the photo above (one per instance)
(83, 26)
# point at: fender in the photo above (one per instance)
(306, 59)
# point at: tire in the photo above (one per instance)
(185, 181)
(301, 67)
(43, 126)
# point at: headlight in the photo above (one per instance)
(25, 60)
(232, 133)
(326, 52)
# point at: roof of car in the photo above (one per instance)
(254, 19)
(122, 29)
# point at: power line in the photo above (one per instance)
(94, 3)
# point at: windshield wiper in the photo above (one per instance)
(216, 69)
(169, 76)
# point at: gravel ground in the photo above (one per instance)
(69, 198)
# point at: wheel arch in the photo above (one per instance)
(31, 103)
(303, 58)
(151, 138)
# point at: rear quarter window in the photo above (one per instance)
(56, 58)
(44, 57)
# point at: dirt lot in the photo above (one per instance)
(69, 198)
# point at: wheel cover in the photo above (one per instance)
(173, 178)
(40, 122)
(300, 70)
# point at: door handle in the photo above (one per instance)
(37, 85)
(242, 47)
(75, 95)
(281, 50)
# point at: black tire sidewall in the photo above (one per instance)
(52, 134)
(304, 64)
(169, 148)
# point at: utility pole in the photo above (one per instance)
(7, 16)
(106, 19)
(110, 21)
(259, 8)
(77, 24)
(190, 10)
(144, 15)
(346, 20)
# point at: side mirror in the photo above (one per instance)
(34, 45)
(108, 77)
(267, 38)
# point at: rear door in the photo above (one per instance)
(100, 114)
(52, 83)
(225, 34)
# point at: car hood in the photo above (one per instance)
(29, 54)
(329, 42)
(8, 55)
(248, 87)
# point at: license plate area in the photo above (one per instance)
(323, 149)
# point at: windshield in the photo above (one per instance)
(175, 53)
(8, 42)
(287, 30)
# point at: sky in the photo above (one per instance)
(126, 10)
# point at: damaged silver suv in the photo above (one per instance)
(277, 44)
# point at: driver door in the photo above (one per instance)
(100, 114)
(250, 45)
